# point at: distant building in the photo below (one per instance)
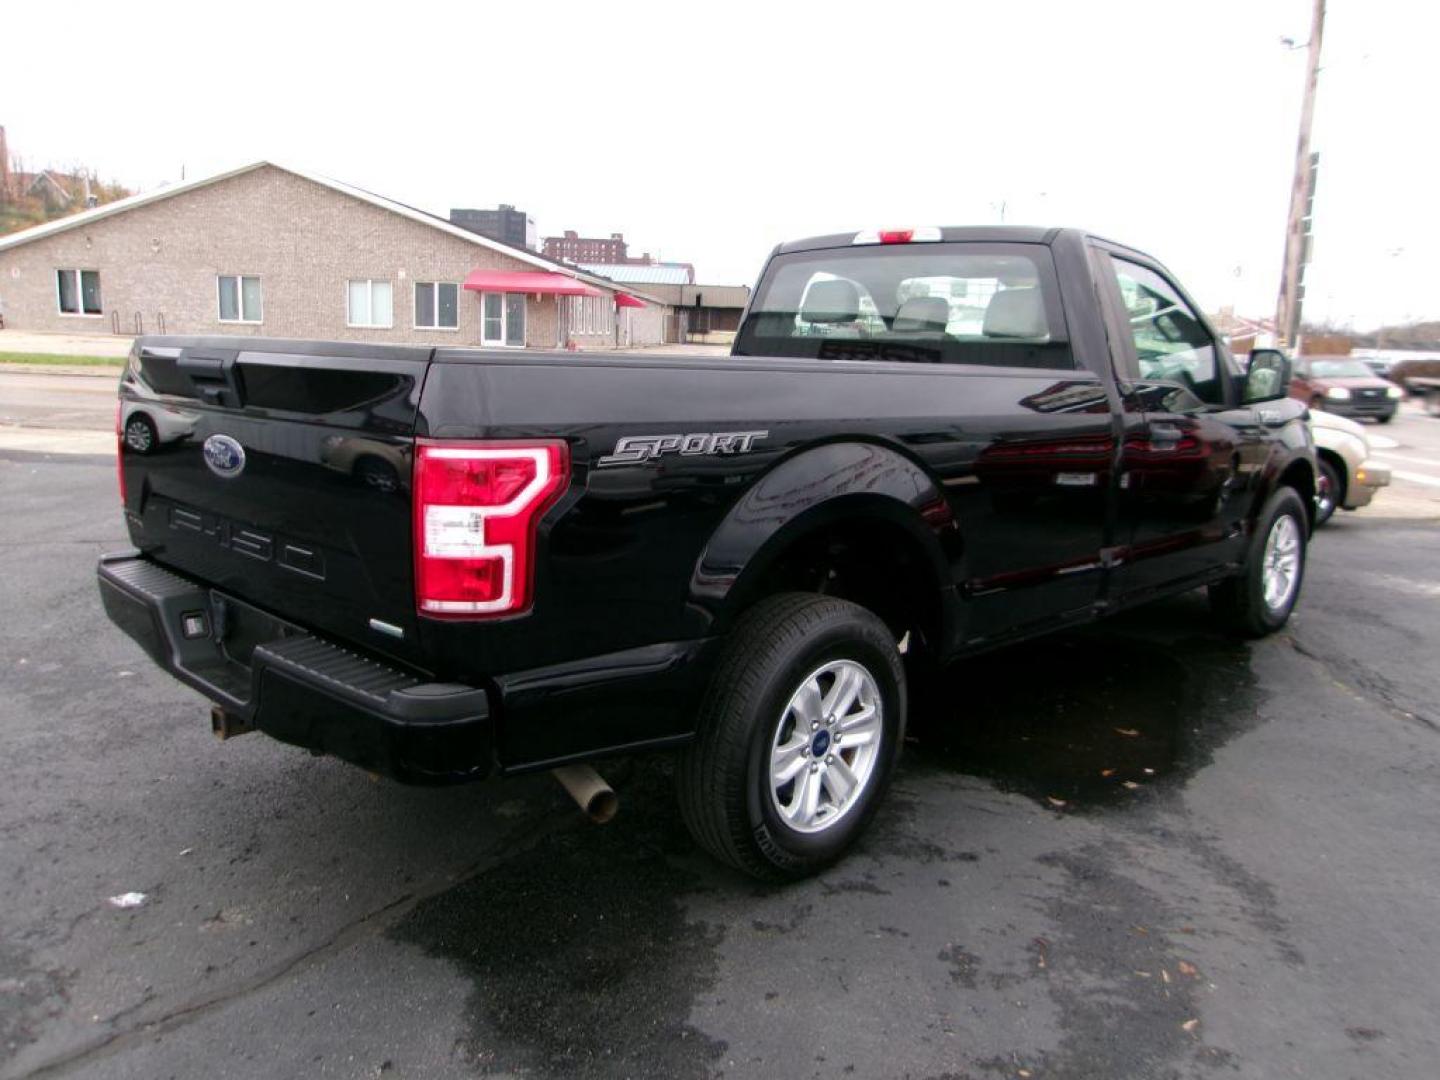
(600, 251)
(271, 251)
(586, 249)
(694, 314)
(504, 223)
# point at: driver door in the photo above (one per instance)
(1190, 455)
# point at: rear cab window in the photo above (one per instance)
(945, 303)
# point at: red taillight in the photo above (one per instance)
(476, 508)
(120, 448)
(896, 236)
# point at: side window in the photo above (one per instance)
(1171, 344)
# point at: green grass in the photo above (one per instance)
(58, 360)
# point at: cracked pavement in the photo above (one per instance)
(1137, 850)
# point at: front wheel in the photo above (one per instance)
(797, 737)
(1258, 601)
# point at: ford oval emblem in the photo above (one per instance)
(224, 455)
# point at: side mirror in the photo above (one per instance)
(1268, 377)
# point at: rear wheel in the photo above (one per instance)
(1258, 601)
(1328, 493)
(798, 736)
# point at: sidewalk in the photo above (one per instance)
(23, 341)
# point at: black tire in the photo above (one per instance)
(1386, 418)
(140, 434)
(724, 776)
(1240, 602)
(1331, 491)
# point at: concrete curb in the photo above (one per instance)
(63, 369)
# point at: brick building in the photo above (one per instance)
(274, 251)
(574, 248)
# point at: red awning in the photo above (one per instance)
(528, 281)
(626, 300)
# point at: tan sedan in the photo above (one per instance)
(1348, 478)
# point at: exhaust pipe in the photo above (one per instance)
(589, 790)
(227, 725)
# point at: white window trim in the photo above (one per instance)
(504, 322)
(79, 295)
(415, 307)
(240, 299)
(370, 284)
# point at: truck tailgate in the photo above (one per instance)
(280, 473)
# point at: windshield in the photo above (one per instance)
(993, 304)
(1340, 369)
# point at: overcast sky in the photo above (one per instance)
(707, 132)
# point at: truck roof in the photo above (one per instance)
(991, 234)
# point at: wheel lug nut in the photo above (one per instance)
(829, 758)
(814, 724)
(814, 768)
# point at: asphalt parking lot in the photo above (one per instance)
(1138, 850)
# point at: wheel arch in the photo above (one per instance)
(1299, 473)
(847, 503)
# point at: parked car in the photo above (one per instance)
(743, 560)
(1428, 390)
(1344, 386)
(1348, 478)
(149, 426)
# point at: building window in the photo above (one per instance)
(370, 303)
(78, 292)
(437, 305)
(590, 314)
(239, 298)
(502, 319)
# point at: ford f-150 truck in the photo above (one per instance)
(446, 563)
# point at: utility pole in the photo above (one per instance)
(1302, 196)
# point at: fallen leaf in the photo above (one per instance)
(1187, 969)
(1129, 785)
(1054, 801)
(127, 900)
(1190, 1025)
(1149, 772)
(1128, 732)
(1165, 975)
(1022, 1072)
(1107, 772)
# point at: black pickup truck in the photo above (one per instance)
(442, 564)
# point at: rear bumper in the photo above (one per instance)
(297, 687)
